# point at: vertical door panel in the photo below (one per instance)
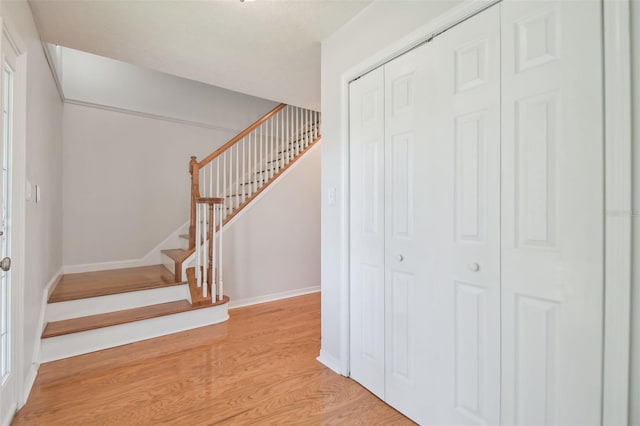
(367, 231)
(463, 189)
(552, 213)
(407, 303)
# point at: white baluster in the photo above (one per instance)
(243, 188)
(220, 262)
(272, 164)
(205, 254)
(214, 256)
(254, 170)
(218, 176)
(278, 142)
(198, 243)
(298, 131)
(237, 183)
(224, 182)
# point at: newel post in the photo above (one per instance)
(194, 170)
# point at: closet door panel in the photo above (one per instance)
(407, 303)
(552, 212)
(367, 231)
(463, 163)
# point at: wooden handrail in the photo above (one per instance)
(240, 135)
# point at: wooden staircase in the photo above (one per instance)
(97, 310)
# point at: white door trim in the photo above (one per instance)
(18, 197)
(617, 89)
(618, 210)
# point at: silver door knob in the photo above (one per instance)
(399, 258)
(5, 264)
(474, 267)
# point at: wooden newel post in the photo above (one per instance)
(194, 170)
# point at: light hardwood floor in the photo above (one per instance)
(257, 368)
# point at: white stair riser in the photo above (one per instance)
(69, 345)
(114, 302)
(169, 263)
(184, 244)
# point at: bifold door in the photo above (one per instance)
(476, 221)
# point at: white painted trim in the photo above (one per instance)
(18, 182)
(239, 303)
(42, 316)
(406, 43)
(331, 362)
(30, 381)
(152, 116)
(54, 70)
(69, 345)
(153, 257)
(618, 211)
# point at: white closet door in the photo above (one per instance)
(552, 213)
(367, 230)
(407, 300)
(463, 189)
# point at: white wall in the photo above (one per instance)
(126, 181)
(635, 289)
(128, 136)
(274, 247)
(104, 81)
(44, 167)
(374, 29)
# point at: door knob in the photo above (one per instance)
(400, 258)
(474, 267)
(5, 264)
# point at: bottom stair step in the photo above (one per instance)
(63, 339)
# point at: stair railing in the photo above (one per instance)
(237, 170)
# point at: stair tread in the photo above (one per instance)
(175, 254)
(102, 283)
(92, 322)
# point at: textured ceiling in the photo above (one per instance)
(269, 49)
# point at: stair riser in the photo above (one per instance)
(115, 302)
(169, 263)
(69, 345)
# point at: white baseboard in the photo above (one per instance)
(35, 360)
(153, 257)
(331, 362)
(29, 381)
(273, 296)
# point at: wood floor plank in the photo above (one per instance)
(257, 368)
(102, 283)
(76, 325)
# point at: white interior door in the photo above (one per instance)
(367, 231)
(552, 213)
(463, 216)
(8, 297)
(408, 302)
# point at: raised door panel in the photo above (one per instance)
(367, 231)
(552, 213)
(463, 163)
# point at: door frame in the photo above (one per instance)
(18, 206)
(618, 180)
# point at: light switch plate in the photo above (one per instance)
(28, 191)
(332, 197)
(37, 193)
